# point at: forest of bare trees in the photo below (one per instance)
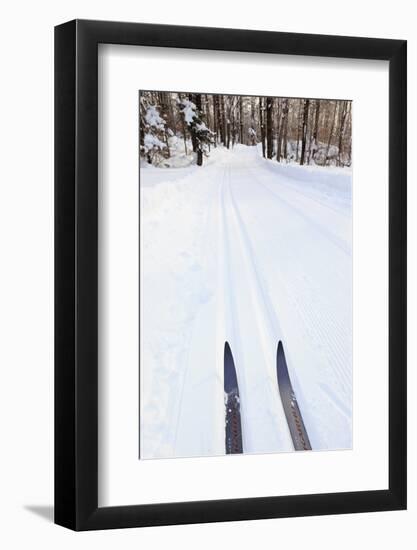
(304, 131)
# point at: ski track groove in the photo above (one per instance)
(335, 321)
(263, 309)
(306, 311)
(231, 332)
(272, 324)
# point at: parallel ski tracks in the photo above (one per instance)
(264, 309)
(306, 311)
(268, 330)
(227, 310)
(234, 244)
(249, 305)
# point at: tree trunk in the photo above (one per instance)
(298, 127)
(316, 129)
(310, 125)
(269, 140)
(284, 130)
(252, 112)
(207, 111)
(223, 126)
(219, 119)
(241, 119)
(227, 120)
(331, 133)
(253, 138)
(191, 97)
(184, 133)
(304, 131)
(278, 132)
(214, 120)
(350, 136)
(142, 123)
(262, 124)
(199, 150)
(341, 132)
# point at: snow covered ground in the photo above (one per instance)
(250, 251)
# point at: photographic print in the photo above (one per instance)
(245, 274)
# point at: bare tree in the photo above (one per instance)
(216, 117)
(241, 119)
(269, 134)
(341, 131)
(284, 126)
(349, 134)
(224, 134)
(331, 133)
(316, 129)
(304, 130)
(300, 107)
(278, 129)
(262, 124)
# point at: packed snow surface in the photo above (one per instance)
(249, 251)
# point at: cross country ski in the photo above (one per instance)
(233, 439)
(289, 402)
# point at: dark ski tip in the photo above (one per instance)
(230, 379)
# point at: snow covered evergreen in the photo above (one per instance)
(154, 134)
(201, 136)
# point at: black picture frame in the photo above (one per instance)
(76, 273)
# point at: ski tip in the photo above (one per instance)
(230, 378)
(281, 365)
(227, 349)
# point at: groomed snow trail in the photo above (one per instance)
(252, 252)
